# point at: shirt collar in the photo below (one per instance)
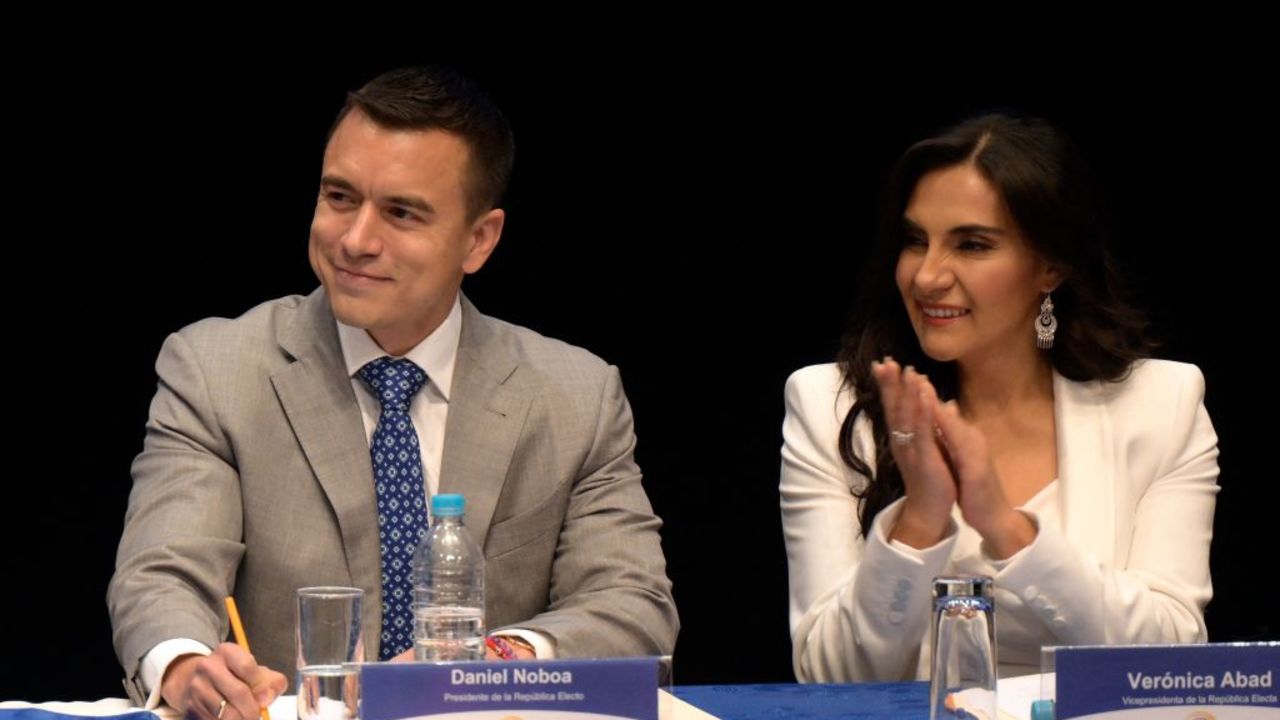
(436, 353)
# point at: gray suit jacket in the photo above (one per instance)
(255, 480)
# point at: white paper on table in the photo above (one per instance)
(1014, 695)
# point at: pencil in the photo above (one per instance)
(241, 639)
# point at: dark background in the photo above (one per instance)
(696, 218)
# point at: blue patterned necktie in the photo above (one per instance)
(397, 475)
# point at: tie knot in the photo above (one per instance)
(393, 381)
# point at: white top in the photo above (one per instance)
(1124, 557)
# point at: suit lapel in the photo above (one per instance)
(487, 408)
(1086, 466)
(315, 392)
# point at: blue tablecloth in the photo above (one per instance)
(868, 701)
(864, 701)
(39, 714)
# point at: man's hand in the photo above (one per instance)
(198, 685)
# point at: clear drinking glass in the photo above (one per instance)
(963, 679)
(330, 649)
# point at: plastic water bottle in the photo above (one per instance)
(448, 587)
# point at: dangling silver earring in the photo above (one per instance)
(1046, 324)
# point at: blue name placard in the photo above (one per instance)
(1222, 682)
(578, 689)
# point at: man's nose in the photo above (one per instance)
(362, 236)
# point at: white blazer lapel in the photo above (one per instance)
(1086, 466)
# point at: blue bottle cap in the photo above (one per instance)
(448, 505)
(1042, 710)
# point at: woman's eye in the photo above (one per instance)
(974, 245)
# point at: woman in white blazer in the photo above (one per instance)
(991, 412)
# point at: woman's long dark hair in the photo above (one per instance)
(1053, 199)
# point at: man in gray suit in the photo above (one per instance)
(256, 477)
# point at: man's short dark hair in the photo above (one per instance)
(438, 98)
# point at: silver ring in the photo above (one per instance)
(902, 437)
(221, 707)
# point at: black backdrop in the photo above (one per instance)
(698, 222)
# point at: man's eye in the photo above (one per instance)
(400, 213)
(337, 198)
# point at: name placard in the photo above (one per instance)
(606, 689)
(1187, 682)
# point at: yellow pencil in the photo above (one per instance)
(241, 640)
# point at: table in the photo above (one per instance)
(867, 701)
(864, 701)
